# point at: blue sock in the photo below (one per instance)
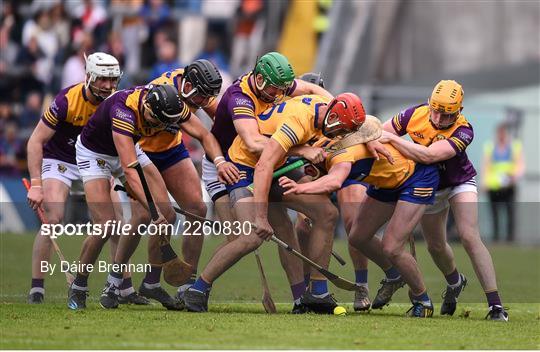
(392, 274)
(361, 276)
(306, 279)
(319, 287)
(201, 285)
(421, 298)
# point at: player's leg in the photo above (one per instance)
(434, 231)
(350, 199)
(293, 266)
(196, 297)
(324, 216)
(150, 287)
(97, 191)
(465, 208)
(405, 218)
(302, 228)
(371, 216)
(128, 295)
(188, 195)
(55, 193)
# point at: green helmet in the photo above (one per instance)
(275, 69)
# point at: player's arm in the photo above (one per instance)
(436, 152)
(262, 179)
(388, 127)
(303, 87)
(127, 154)
(326, 184)
(248, 130)
(227, 172)
(314, 155)
(41, 135)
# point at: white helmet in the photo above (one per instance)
(101, 65)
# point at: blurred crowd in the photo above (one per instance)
(43, 43)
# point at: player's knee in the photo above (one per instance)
(302, 228)
(169, 215)
(436, 247)
(327, 216)
(391, 250)
(470, 239)
(250, 243)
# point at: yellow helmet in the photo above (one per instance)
(447, 97)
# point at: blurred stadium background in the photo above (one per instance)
(389, 52)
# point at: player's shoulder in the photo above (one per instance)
(418, 111)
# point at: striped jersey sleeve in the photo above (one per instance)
(289, 133)
(241, 107)
(57, 111)
(123, 120)
(461, 138)
(401, 120)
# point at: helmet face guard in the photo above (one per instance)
(277, 77)
(104, 66)
(446, 100)
(276, 94)
(165, 106)
(205, 81)
(345, 114)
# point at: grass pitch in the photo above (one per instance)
(237, 320)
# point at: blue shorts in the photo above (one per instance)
(166, 159)
(419, 188)
(239, 190)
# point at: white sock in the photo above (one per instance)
(458, 283)
(151, 286)
(127, 291)
(114, 280)
(80, 288)
(184, 287)
(37, 289)
(297, 301)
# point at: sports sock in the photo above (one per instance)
(453, 279)
(201, 285)
(152, 277)
(392, 274)
(493, 298)
(126, 288)
(188, 284)
(361, 276)
(298, 290)
(422, 298)
(319, 288)
(80, 282)
(306, 279)
(115, 278)
(37, 286)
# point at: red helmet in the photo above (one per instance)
(345, 114)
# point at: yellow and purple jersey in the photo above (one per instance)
(290, 123)
(120, 113)
(67, 115)
(415, 122)
(238, 102)
(164, 140)
(365, 168)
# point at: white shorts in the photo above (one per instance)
(443, 195)
(214, 188)
(62, 171)
(95, 165)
